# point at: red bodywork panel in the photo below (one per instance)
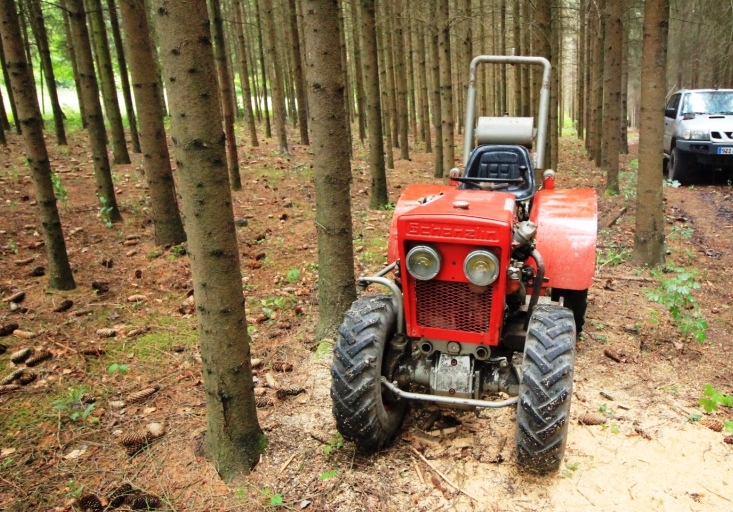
(567, 223)
(451, 308)
(455, 222)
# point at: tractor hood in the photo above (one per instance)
(440, 212)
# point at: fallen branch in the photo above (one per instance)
(617, 217)
(625, 278)
(448, 480)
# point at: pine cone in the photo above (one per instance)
(144, 502)
(142, 395)
(135, 442)
(63, 306)
(118, 496)
(591, 419)
(96, 352)
(20, 355)
(712, 424)
(7, 388)
(728, 439)
(262, 402)
(11, 377)
(27, 377)
(283, 393)
(38, 357)
(282, 366)
(90, 502)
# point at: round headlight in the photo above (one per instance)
(423, 262)
(481, 267)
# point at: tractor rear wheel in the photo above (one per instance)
(365, 412)
(543, 410)
(576, 301)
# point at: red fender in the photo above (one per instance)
(567, 224)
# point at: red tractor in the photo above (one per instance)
(490, 289)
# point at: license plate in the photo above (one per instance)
(725, 151)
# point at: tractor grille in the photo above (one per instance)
(454, 306)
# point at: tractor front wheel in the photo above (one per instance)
(576, 301)
(365, 412)
(543, 410)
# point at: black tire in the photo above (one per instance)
(576, 301)
(365, 413)
(680, 166)
(546, 388)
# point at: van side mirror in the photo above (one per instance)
(670, 112)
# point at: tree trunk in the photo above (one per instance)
(389, 69)
(74, 67)
(93, 110)
(276, 78)
(378, 196)
(107, 81)
(234, 440)
(385, 99)
(598, 90)
(434, 35)
(244, 75)
(336, 286)
(649, 232)
(446, 88)
(156, 159)
(298, 72)
(39, 32)
(401, 82)
(361, 99)
(124, 80)
(225, 93)
(4, 123)
(422, 74)
(613, 46)
(582, 66)
(23, 85)
(9, 89)
(516, 25)
(502, 51)
(263, 70)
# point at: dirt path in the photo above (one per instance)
(647, 455)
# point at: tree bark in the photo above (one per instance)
(401, 82)
(336, 286)
(613, 46)
(124, 80)
(23, 85)
(244, 75)
(93, 110)
(9, 90)
(74, 67)
(434, 42)
(378, 197)
(446, 88)
(156, 159)
(263, 70)
(225, 93)
(361, 100)
(39, 33)
(649, 232)
(234, 440)
(298, 72)
(107, 81)
(276, 78)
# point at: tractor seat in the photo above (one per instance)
(508, 163)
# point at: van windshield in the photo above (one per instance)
(708, 102)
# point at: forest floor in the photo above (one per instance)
(131, 326)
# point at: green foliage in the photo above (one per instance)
(178, 250)
(713, 398)
(276, 500)
(323, 348)
(58, 188)
(75, 489)
(675, 293)
(681, 232)
(328, 474)
(73, 405)
(105, 212)
(293, 275)
(13, 246)
(335, 443)
(117, 368)
(612, 256)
